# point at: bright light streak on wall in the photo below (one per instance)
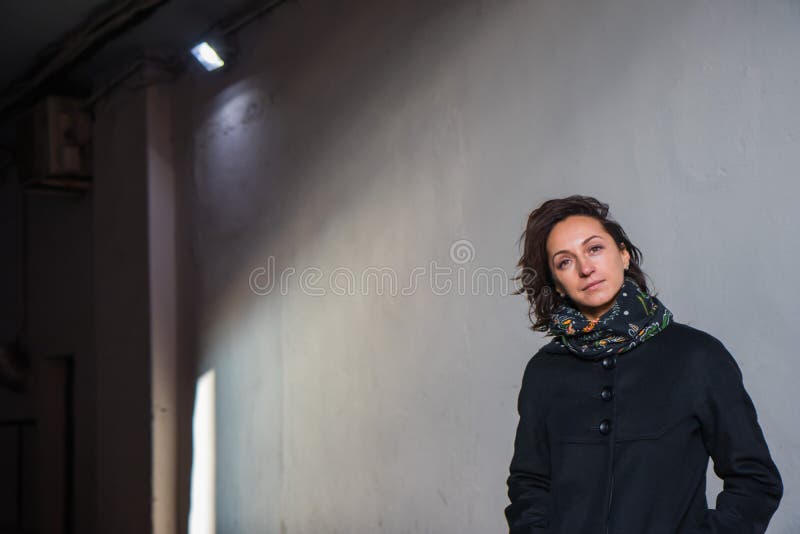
(202, 509)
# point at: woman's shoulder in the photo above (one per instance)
(543, 373)
(690, 337)
(701, 347)
(542, 365)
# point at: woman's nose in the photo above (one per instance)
(586, 267)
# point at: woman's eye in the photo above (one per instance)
(562, 263)
(596, 248)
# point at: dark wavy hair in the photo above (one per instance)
(535, 278)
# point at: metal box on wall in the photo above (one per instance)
(54, 145)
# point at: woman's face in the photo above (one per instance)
(586, 264)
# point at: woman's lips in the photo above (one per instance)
(593, 285)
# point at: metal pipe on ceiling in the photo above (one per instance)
(71, 48)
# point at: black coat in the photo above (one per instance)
(655, 414)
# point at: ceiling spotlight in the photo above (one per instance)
(207, 56)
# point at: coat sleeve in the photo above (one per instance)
(752, 486)
(529, 479)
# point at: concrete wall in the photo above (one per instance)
(362, 134)
(136, 290)
(378, 134)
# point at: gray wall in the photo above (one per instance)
(361, 134)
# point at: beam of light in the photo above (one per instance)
(202, 508)
(207, 56)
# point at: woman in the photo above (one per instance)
(621, 410)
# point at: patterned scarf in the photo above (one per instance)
(634, 318)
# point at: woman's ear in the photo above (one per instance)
(560, 291)
(626, 256)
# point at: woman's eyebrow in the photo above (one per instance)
(584, 242)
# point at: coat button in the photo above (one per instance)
(605, 427)
(609, 362)
(607, 393)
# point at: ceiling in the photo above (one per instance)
(28, 27)
(35, 28)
